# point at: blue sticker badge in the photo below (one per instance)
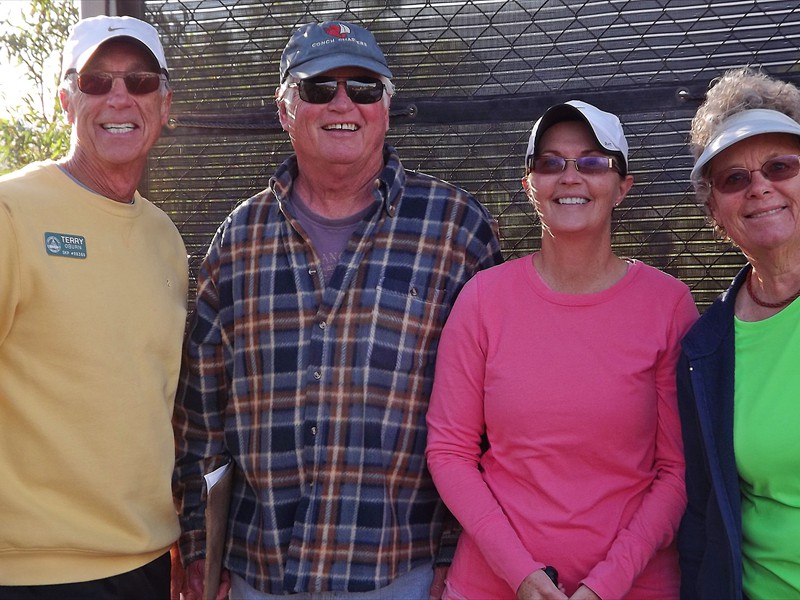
(65, 244)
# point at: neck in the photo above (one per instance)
(770, 287)
(336, 197)
(118, 183)
(578, 266)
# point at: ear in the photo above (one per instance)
(64, 98)
(526, 184)
(166, 103)
(625, 185)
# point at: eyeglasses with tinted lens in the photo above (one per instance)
(321, 90)
(97, 83)
(737, 179)
(589, 165)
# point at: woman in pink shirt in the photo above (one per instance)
(565, 361)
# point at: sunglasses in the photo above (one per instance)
(98, 83)
(321, 90)
(589, 165)
(737, 179)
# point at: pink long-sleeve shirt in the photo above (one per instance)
(576, 394)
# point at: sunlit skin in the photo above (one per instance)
(339, 148)
(763, 219)
(572, 139)
(112, 133)
(575, 210)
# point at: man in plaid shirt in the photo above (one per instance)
(310, 357)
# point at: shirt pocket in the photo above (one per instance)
(407, 321)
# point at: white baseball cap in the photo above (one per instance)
(606, 128)
(88, 34)
(740, 126)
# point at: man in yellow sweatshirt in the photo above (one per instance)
(93, 282)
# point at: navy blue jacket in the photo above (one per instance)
(710, 535)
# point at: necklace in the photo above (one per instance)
(760, 302)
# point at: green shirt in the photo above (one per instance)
(767, 447)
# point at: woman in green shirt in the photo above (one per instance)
(738, 379)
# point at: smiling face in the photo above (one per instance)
(571, 201)
(765, 216)
(336, 134)
(113, 132)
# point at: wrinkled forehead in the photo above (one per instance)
(758, 148)
(125, 50)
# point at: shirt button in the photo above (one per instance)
(317, 375)
(391, 211)
(322, 324)
(414, 291)
(314, 430)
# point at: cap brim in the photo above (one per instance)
(741, 126)
(323, 64)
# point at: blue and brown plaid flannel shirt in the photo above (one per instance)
(319, 393)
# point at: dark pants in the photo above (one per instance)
(150, 582)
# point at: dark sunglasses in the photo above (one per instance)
(737, 179)
(321, 90)
(589, 165)
(98, 83)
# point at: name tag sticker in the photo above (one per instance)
(65, 244)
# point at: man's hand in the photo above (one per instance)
(177, 582)
(195, 574)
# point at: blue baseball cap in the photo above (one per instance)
(316, 48)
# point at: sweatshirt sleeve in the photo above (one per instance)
(455, 426)
(654, 525)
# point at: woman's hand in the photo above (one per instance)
(437, 585)
(538, 586)
(584, 593)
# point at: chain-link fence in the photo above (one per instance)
(472, 77)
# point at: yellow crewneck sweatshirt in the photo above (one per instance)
(92, 311)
